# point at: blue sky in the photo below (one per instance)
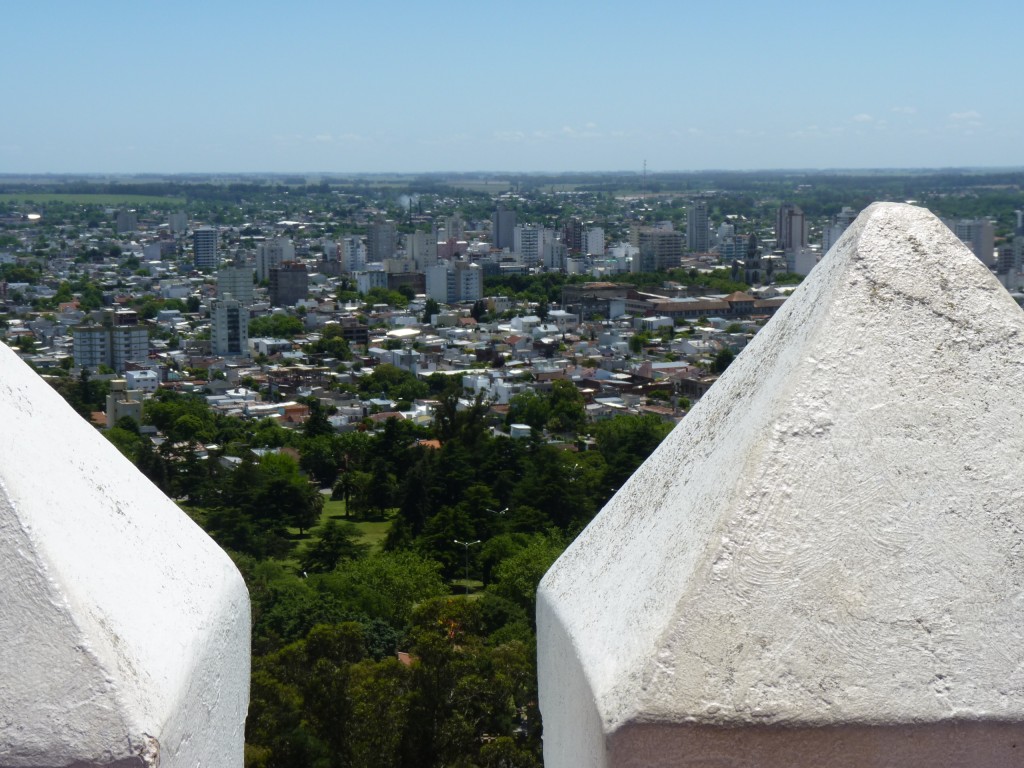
(343, 86)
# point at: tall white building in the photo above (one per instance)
(352, 254)
(421, 247)
(454, 227)
(555, 251)
(177, 222)
(527, 243)
(271, 254)
(110, 345)
(835, 228)
(230, 333)
(236, 281)
(593, 241)
(455, 281)
(698, 232)
(204, 248)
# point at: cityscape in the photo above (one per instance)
(465, 385)
(394, 401)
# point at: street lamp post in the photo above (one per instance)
(467, 545)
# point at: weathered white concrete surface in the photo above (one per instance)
(124, 630)
(823, 565)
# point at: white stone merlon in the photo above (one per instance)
(822, 564)
(124, 629)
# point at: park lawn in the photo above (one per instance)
(475, 591)
(372, 532)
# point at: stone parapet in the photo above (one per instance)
(821, 565)
(124, 629)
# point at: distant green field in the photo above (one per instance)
(474, 185)
(87, 199)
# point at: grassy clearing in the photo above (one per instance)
(372, 532)
(459, 588)
(88, 199)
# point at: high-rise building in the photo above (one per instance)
(555, 252)
(421, 247)
(455, 281)
(503, 228)
(289, 284)
(526, 241)
(330, 263)
(237, 281)
(731, 247)
(978, 235)
(381, 240)
(273, 253)
(230, 332)
(835, 228)
(369, 279)
(177, 222)
(572, 235)
(204, 248)
(660, 249)
(593, 241)
(127, 221)
(698, 231)
(352, 253)
(113, 343)
(790, 228)
(454, 227)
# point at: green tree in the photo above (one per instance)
(723, 359)
(430, 309)
(275, 326)
(568, 408)
(336, 542)
(321, 458)
(381, 695)
(529, 407)
(517, 576)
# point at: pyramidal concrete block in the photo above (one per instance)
(124, 629)
(823, 564)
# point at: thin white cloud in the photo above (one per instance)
(319, 138)
(905, 110)
(808, 132)
(509, 135)
(589, 131)
(968, 115)
(863, 117)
